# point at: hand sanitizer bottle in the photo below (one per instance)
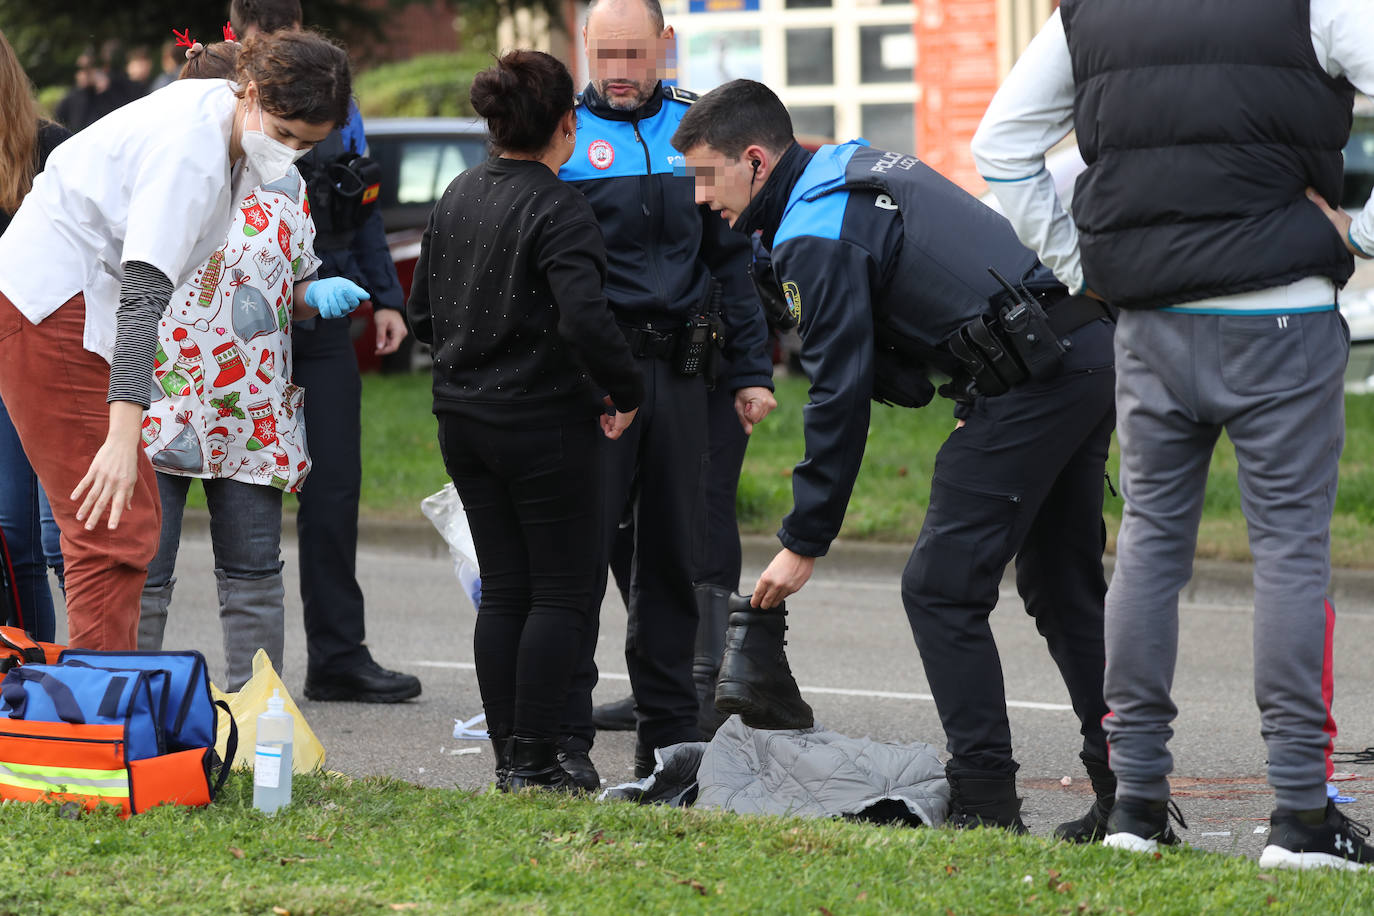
(272, 762)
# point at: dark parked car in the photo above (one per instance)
(419, 157)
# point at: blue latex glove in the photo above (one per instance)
(334, 297)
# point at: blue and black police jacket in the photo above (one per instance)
(871, 245)
(662, 249)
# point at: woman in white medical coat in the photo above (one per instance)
(121, 216)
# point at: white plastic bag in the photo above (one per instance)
(445, 510)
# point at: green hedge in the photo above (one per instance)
(431, 85)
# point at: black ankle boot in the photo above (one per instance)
(534, 765)
(577, 763)
(982, 798)
(500, 743)
(713, 617)
(755, 680)
(1092, 826)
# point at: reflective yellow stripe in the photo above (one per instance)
(38, 769)
(72, 780)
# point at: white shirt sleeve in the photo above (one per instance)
(1031, 112)
(175, 204)
(1343, 37)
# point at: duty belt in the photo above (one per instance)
(1024, 339)
(648, 342)
(1072, 312)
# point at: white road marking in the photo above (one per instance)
(834, 691)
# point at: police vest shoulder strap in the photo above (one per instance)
(680, 95)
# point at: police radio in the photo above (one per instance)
(699, 339)
(1026, 327)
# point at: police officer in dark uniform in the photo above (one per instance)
(886, 266)
(351, 242)
(666, 256)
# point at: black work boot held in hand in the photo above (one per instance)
(755, 680)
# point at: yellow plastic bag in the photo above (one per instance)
(307, 754)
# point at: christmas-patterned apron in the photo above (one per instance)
(222, 400)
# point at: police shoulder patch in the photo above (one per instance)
(793, 297)
(685, 96)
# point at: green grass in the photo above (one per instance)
(401, 465)
(382, 846)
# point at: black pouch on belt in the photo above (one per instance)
(1026, 329)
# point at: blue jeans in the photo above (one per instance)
(30, 532)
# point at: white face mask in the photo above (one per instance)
(268, 158)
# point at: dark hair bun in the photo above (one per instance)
(522, 99)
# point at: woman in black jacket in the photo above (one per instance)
(528, 366)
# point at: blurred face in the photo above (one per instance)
(626, 54)
(725, 185)
(85, 68)
(139, 69)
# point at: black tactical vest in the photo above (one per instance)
(940, 280)
(1202, 125)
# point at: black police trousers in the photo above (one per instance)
(727, 439)
(723, 555)
(323, 363)
(1024, 478)
(657, 471)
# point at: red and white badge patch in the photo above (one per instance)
(600, 154)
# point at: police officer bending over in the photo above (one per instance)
(889, 268)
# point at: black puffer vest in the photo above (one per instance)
(1202, 124)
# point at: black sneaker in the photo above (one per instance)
(368, 682)
(1337, 842)
(1141, 826)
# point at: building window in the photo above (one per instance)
(890, 126)
(810, 57)
(887, 53)
(817, 121)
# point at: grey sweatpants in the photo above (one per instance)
(1274, 384)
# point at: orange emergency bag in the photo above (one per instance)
(129, 729)
(19, 648)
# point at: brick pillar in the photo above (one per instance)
(956, 68)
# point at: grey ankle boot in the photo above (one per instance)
(252, 617)
(152, 615)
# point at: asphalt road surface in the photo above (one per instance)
(852, 652)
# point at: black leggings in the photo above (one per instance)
(532, 498)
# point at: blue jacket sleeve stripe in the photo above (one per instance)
(813, 209)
